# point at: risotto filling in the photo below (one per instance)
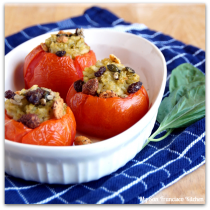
(108, 78)
(66, 44)
(34, 106)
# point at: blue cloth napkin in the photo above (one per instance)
(157, 166)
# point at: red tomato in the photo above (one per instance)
(52, 132)
(107, 117)
(56, 73)
(14, 130)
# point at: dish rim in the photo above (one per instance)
(106, 142)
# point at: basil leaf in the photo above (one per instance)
(169, 102)
(186, 102)
(189, 109)
(185, 74)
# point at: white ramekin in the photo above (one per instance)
(77, 164)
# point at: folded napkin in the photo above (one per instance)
(157, 166)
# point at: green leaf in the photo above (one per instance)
(186, 102)
(189, 109)
(185, 74)
(151, 138)
(169, 102)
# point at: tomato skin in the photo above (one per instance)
(52, 132)
(14, 130)
(56, 73)
(107, 117)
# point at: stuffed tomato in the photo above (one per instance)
(108, 100)
(38, 116)
(58, 62)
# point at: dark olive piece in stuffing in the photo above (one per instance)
(78, 85)
(34, 96)
(9, 94)
(134, 87)
(60, 53)
(100, 71)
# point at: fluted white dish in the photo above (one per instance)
(77, 164)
